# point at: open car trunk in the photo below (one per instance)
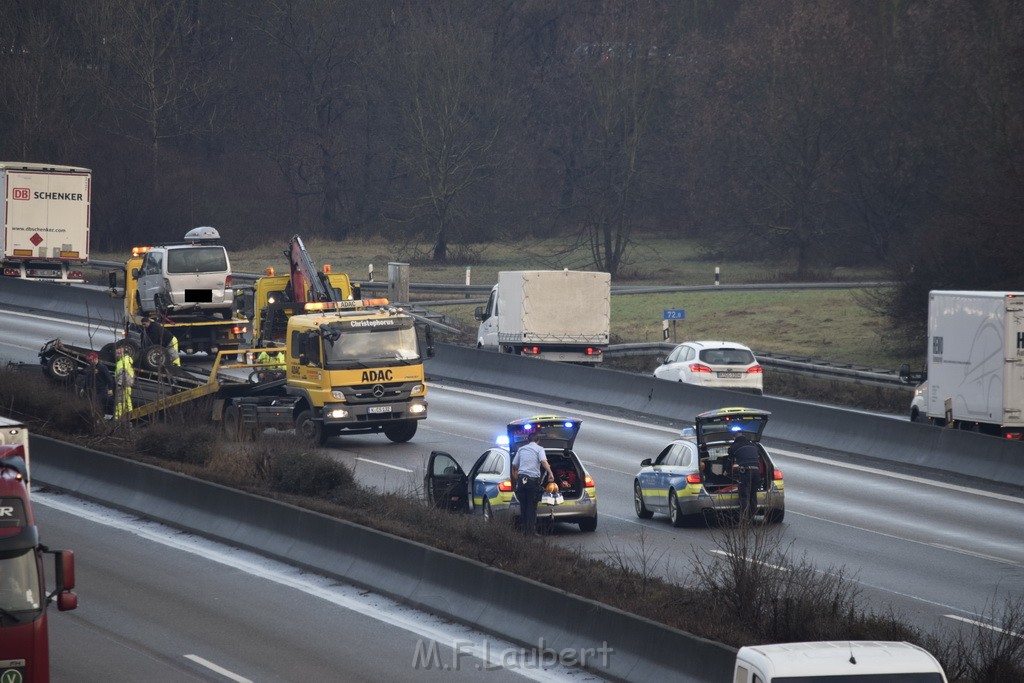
(715, 472)
(567, 474)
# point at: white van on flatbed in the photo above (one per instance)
(841, 661)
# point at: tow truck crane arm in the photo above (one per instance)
(307, 284)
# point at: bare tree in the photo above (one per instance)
(620, 62)
(40, 90)
(453, 107)
(151, 68)
(783, 111)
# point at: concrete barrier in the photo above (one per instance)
(491, 600)
(836, 432)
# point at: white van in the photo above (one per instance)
(848, 661)
(190, 277)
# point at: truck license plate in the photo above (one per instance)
(729, 375)
(379, 409)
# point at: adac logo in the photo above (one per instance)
(377, 375)
(11, 676)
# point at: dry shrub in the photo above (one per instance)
(986, 655)
(194, 446)
(756, 584)
(303, 471)
(49, 409)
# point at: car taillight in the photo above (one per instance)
(756, 369)
(777, 474)
(227, 282)
(699, 367)
(588, 482)
(505, 486)
(693, 478)
(531, 350)
(593, 352)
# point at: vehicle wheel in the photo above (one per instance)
(138, 303)
(638, 502)
(154, 357)
(589, 524)
(309, 429)
(400, 432)
(159, 304)
(488, 514)
(61, 368)
(131, 349)
(673, 510)
(915, 414)
(775, 515)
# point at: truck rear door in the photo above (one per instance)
(1013, 386)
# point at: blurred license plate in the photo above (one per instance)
(729, 375)
(379, 409)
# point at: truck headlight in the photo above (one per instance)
(417, 389)
(337, 413)
(417, 408)
(338, 395)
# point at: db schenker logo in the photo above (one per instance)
(22, 193)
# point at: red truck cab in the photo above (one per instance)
(24, 643)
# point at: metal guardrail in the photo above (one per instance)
(807, 367)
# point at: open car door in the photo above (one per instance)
(445, 483)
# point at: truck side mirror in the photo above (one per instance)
(135, 273)
(65, 567)
(904, 372)
(428, 335)
(479, 314)
(67, 601)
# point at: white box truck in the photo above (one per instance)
(975, 362)
(47, 211)
(561, 315)
(849, 661)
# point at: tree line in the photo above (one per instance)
(818, 133)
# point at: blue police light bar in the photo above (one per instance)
(736, 428)
(502, 440)
(569, 425)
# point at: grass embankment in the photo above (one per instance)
(739, 597)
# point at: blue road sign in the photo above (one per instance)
(675, 314)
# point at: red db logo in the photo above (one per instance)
(20, 193)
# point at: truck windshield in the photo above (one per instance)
(19, 582)
(372, 344)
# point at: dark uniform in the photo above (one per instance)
(746, 465)
(98, 384)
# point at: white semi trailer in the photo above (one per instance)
(47, 210)
(975, 362)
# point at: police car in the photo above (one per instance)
(690, 479)
(487, 490)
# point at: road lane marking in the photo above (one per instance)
(983, 625)
(218, 669)
(937, 546)
(764, 564)
(384, 464)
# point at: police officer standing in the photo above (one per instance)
(746, 466)
(527, 463)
